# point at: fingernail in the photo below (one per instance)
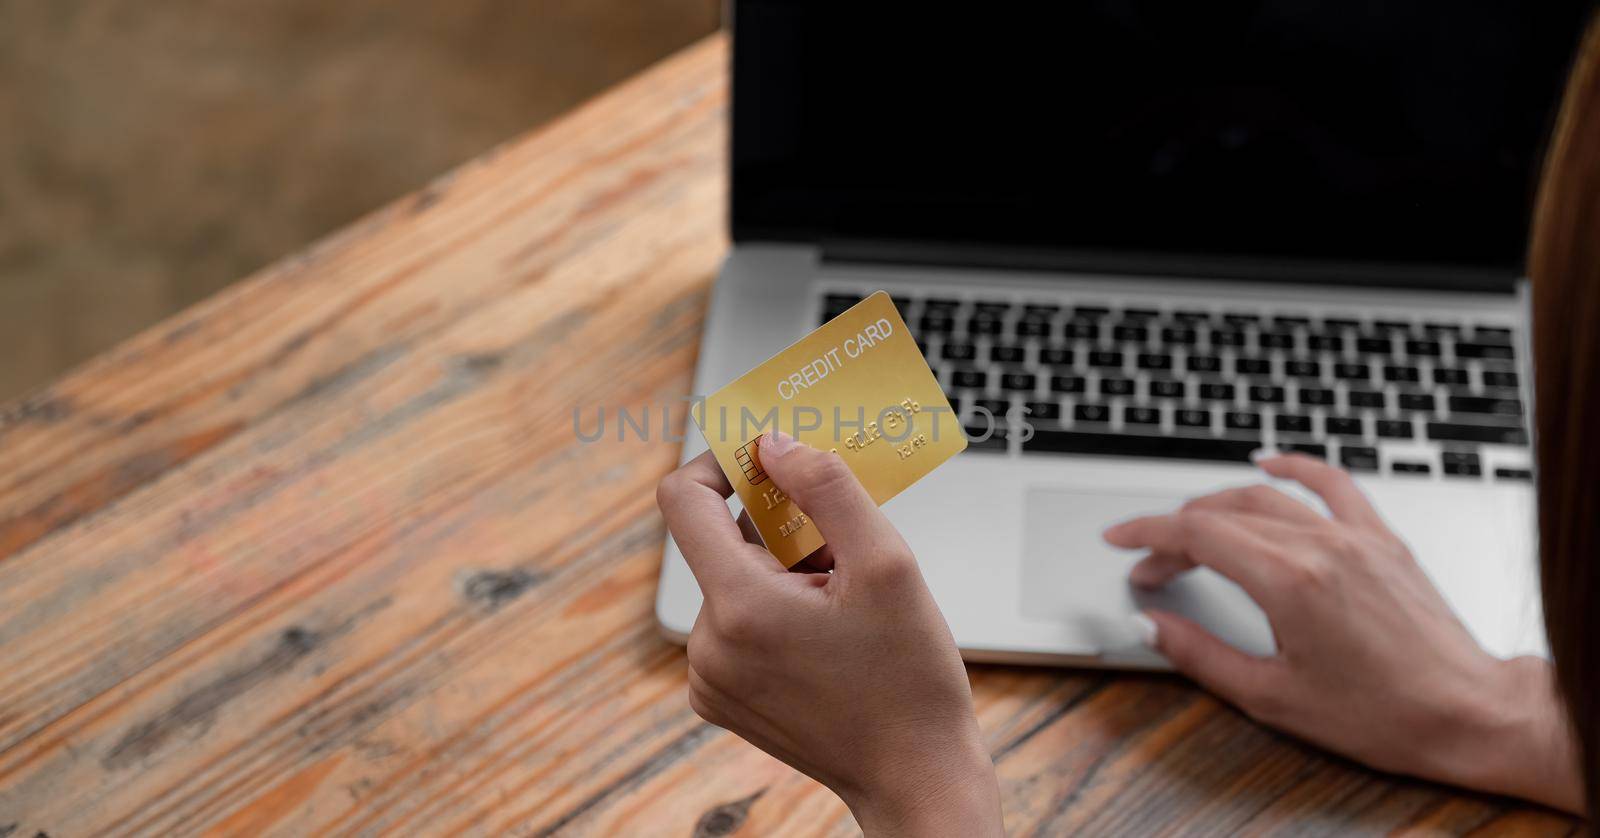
(1259, 454)
(1144, 628)
(777, 444)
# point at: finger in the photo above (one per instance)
(1334, 485)
(1261, 500)
(1235, 676)
(820, 561)
(693, 500)
(833, 499)
(1157, 569)
(747, 528)
(1217, 540)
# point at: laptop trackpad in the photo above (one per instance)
(1071, 576)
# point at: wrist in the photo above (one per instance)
(954, 794)
(1519, 742)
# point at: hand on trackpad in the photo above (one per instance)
(1071, 576)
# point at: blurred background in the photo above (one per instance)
(153, 152)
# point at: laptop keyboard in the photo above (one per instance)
(1401, 396)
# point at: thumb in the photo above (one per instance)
(1236, 677)
(828, 492)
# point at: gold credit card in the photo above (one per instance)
(858, 386)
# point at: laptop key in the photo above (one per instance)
(1161, 388)
(1352, 372)
(1266, 394)
(1513, 473)
(1238, 318)
(1275, 340)
(1501, 379)
(1436, 330)
(1116, 386)
(1179, 336)
(1190, 316)
(1105, 359)
(1130, 334)
(1023, 382)
(1044, 411)
(1450, 377)
(1316, 396)
(1315, 449)
(1056, 356)
(1398, 467)
(1417, 401)
(1217, 392)
(1006, 354)
(1227, 337)
(1423, 348)
(1393, 428)
(1343, 426)
(983, 326)
(1402, 375)
(1067, 383)
(991, 308)
(1155, 361)
(1141, 416)
(936, 324)
(1292, 424)
(1081, 330)
(1492, 335)
(1192, 418)
(1204, 363)
(1366, 398)
(1131, 445)
(1326, 343)
(1374, 345)
(1486, 351)
(1252, 366)
(1492, 434)
(1485, 405)
(1461, 464)
(1241, 421)
(1090, 312)
(972, 379)
(954, 351)
(999, 409)
(1358, 458)
(1027, 328)
(1096, 413)
(1302, 369)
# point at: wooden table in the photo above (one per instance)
(324, 553)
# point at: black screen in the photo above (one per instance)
(1392, 133)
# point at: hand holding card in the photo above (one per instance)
(852, 676)
(857, 386)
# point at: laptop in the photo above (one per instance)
(1160, 235)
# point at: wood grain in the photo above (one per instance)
(324, 555)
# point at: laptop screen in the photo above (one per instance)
(1364, 132)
